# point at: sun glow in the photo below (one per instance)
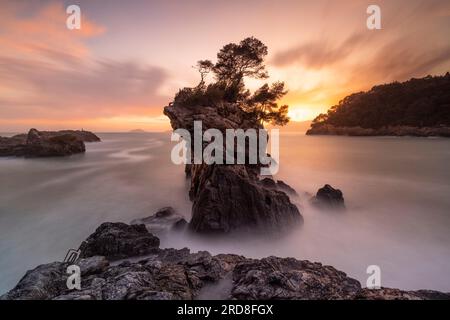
(301, 113)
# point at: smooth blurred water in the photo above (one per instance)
(396, 190)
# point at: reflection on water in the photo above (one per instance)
(396, 191)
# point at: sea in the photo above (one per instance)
(396, 190)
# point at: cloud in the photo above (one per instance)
(318, 54)
(49, 72)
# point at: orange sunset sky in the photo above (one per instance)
(130, 58)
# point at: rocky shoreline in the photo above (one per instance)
(37, 144)
(398, 131)
(124, 262)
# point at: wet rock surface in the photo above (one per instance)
(166, 274)
(37, 144)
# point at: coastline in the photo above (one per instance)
(395, 131)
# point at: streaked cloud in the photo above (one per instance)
(128, 60)
(49, 73)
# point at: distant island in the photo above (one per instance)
(418, 107)
(137, 131)
(37, 144)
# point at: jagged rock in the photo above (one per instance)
(396, 294)
(42, 283)
(329, 197)
(38, 145)
(166, 274)
(286, 188)
(92, 265)
(46, 143)
(163, 220)
(119, 240)
(279, 185)
(277, 278)
(230, 197)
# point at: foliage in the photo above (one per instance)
(234, 63)
(418, 102)
(264, 104)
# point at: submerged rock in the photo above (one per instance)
(165, 274)
(46, 143)
(162, 221)
(329, 198)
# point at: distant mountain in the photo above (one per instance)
(137, 131)
(415, 107)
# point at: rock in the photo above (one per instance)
(38, 145)
(288, 278)
(230, 197)
(279, 185)
(85, 136)
(46, 143)
(180, 225)
(118, 241)
(42, 283)
(162, 221)
(92, 265)
(396, 294)
(166, 274)
(329, 197)
(286, 188)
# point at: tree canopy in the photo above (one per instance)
(418, 102)
(235, 62)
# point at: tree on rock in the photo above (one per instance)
(235, 62)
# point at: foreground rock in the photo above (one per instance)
(166, 274)
(328, 198)
(119, 240)
(46, 143)
(230, 197)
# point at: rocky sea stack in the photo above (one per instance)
(231, 197)
(147, 272)
(37, 144)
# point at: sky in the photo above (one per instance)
(130, 58)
